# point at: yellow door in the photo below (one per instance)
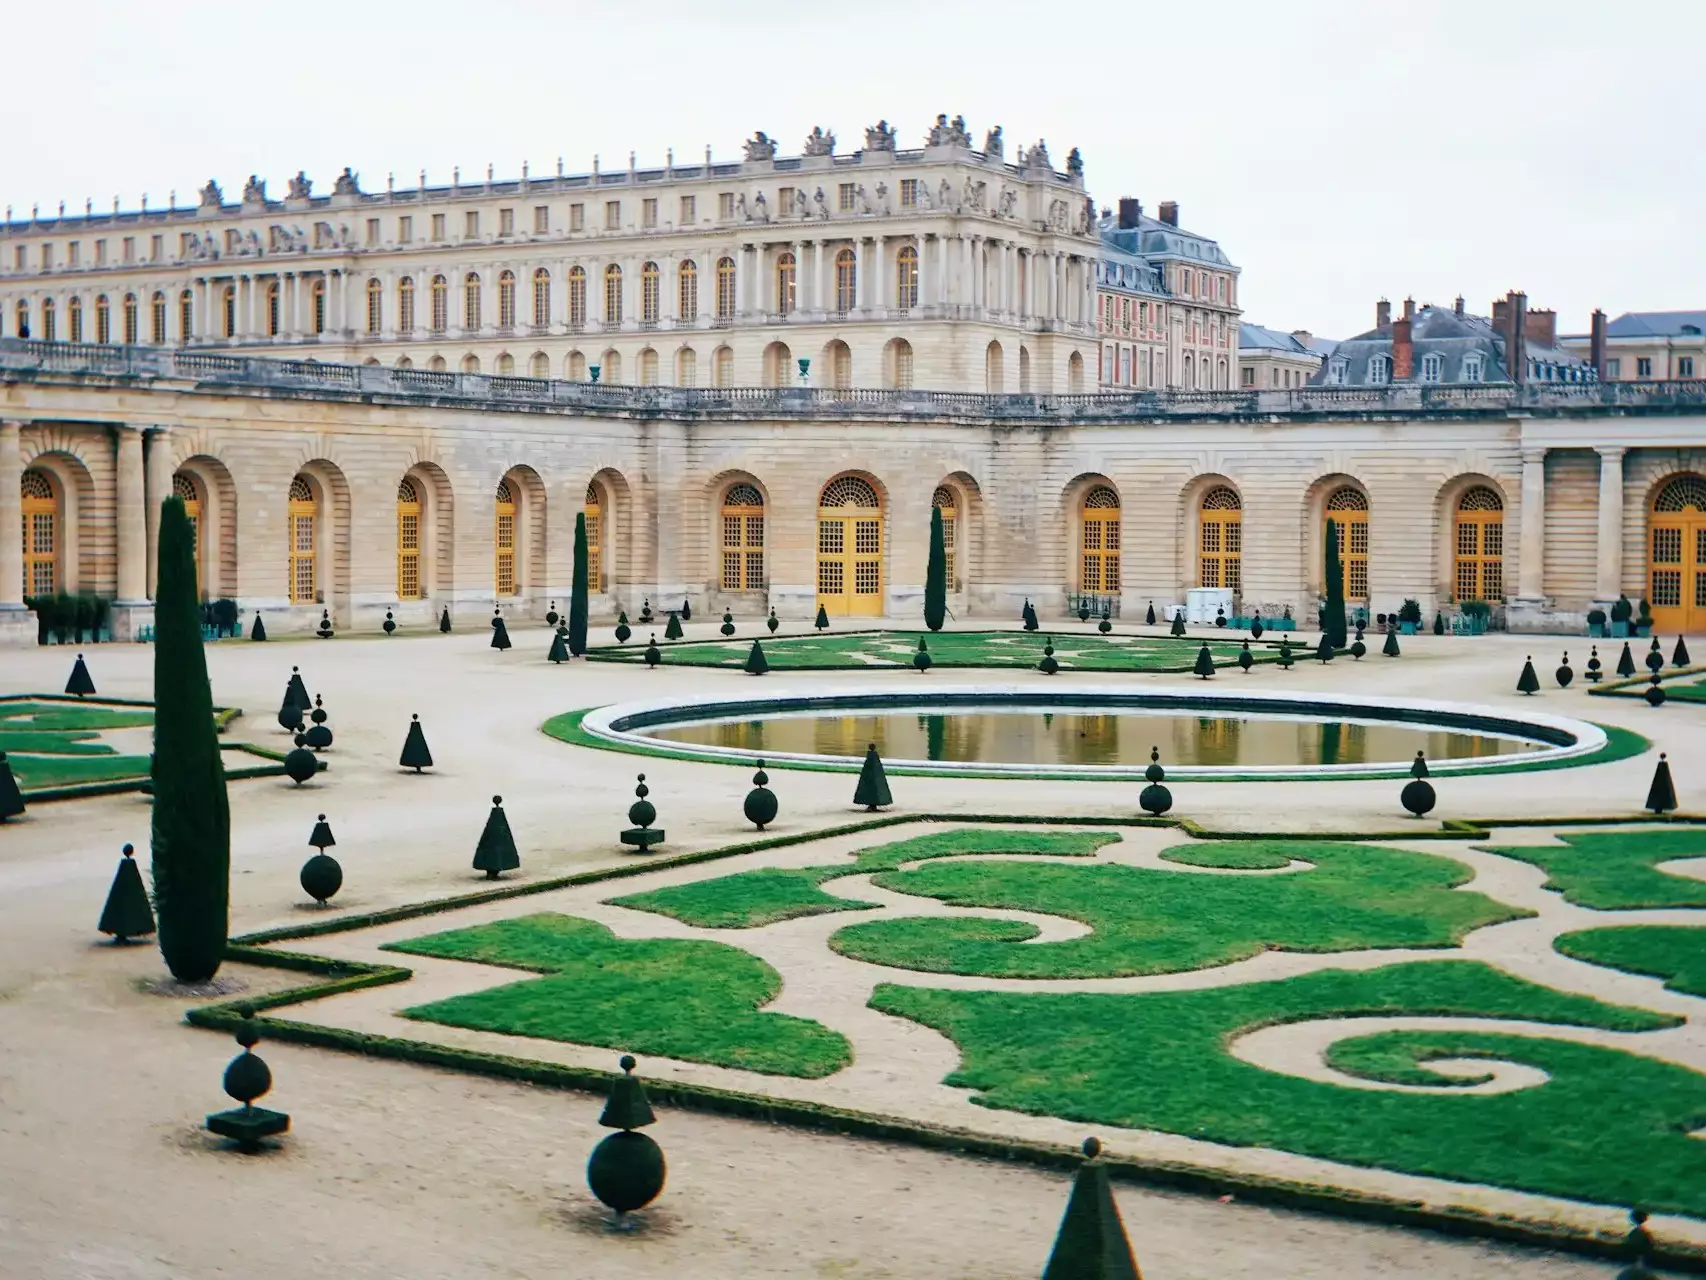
(1099, 543)
(408, 541)
(41, 535)
(505, 539)
(1348, 510)
(1676, 556)
(594, 509)
(301, 514)
(850, 549)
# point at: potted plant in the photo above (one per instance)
(1644, 620)
(1596, 624)
(1480, 613)
(1621, 612)
(1410, 617)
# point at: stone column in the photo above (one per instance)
(1531, 568)
(11, 516)
(802, 298)
(1609, 580)
(157, 486)
(132, 527)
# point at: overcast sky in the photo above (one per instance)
(1338, 151)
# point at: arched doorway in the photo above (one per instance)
(994, 374)
(850, 548)
(947, 502)
(778, 365)
(1222, 540)
(41, 534)
(504, 539)
(1347, 508)
(184, 486)
(743, 539)
(408, 541)
(303, 514)
(1075, 373)
(1478, 542)
(593, 505)
(1676, 566)
(1099, 542)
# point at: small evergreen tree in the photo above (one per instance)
(389, 625)
(1390, 648)
(672, 630)
(1625, 663)
(1107, 623)
(127, 914)
(11, 799)
(1178, 627)
(654, 655)
(1324, 650)
(936, 575)
(1149, 617)
(822, 622)
(500, 633)
(922, 659)
(79, 683)
(1655, 658)
(444, 620)
(686, 609)
(760, 807)
(1091, 1243)
(1028, 615)
(259, 630)
(873, 788)
(496, 851)
(191, 827)
(1333, 619)
(1049, 665)
(1661, 796)
(559, 651)
(297, 692)
(1565, 673)
(1594, 671)
(1285, 658)
(1679, 655)
(1358, 646)
(623, 630)
(1205, 662)
(1246, 659)
(728, 626)
(1439, 624)
(756, 665)
(578, 593)
(772, 621)
(415, 755)
(1528, 682)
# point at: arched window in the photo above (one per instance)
(375, 306)
(405, 307)
(541, 298)
(1024, 369)
(850, 548)
(103, 320)
(576, 367)
(846, 281)
(722, 367)
(994, 371)
(74, 318)
(505, 364)
(272, 309)
(686, 368)
(184, 486)
(1348, 509)
(471, 303)
(725, 288)
(1099, 560)
(318, 304)
(900, 364)
(506, 300)
(408, 541)
(906, 278)
(228, 311)
(594, 507)
(436, 364)
(131, 320)
(504, 538)
(470, 363)
(610, 365)
(539, 366)
(1478, 569)
(49, 331)
(403, 362)
(612, 296)
(21, 318)
(1676, 542)
(743, 539)
(577, 298)
(186, 317)
(687, 285)
(840, 365)
(947, 502)
(1075, 373)
(778, 365)
(302, 514)
(786, 294)
(649, 294)
(1222, 543)
(41, 535)
(648, 368)
(440, 304)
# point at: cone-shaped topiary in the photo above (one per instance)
(321, 877)
(389, 625)
(1655, 658)
(496, 851)
(444, 620)
(415, 755)
(922, 659)
(191, 828)
(1439, 624)
(1333, 615)
(324, 630)
(259, 630)
(646, 611)
(760, 806)
(248, 1078)
(822, 620)
(1178, 627)
(1679, 655)
(772, 622)
(11, 799)
(623, 630)
(1390, 648)
(1107, 623)
(1565, 673)
(642, 813)
(1528, 682)
(1028, 615)
(297, 691)
(672, 629)
(1091, 1243)
(728, 627)
(1593, 668)
(654, 655)
(936, 575)
(686, 609)
(1246, 659)
(1048, 666)
(79, 683)
(626, 1170)
(127, 914)
(559, 650)
(318, 737)
(873, 788)
(500, 633)
(1324, 650)
(1285, 658)
(1155, 799)
(1661, 796)
(551, 618)
(756, 665)
(1149, 614)
(580, 584)
(299, 762)
(1625, 663)
(321, 837)
(1358, 645)
(1205, 663)
(1655, 694)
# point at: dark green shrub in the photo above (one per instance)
(577, 594)
(1477, 609)
(1410, 611)
(1333, 616)
(936, 575)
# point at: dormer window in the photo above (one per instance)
(1379, 371)
(1472, 368)
(1432, 367)
(1336, 373)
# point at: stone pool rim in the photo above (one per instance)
(618, 726)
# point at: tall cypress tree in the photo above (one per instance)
(936, 576)
(191, 833)
(1334, 621)
(577, 596)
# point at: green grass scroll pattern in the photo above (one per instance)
(1618, 870)
(752, 899)
(696, 1001)
(1675, 953)
(1606, 1126)
(1349, 897)
(51, 744)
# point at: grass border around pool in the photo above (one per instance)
(335, 977)
(1620, 744)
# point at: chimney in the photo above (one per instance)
(1457, 307)
(1131, 213)
(1302, 337)
(1596, 343)
(1382, 314)
(1541, 328)
(1501, 315)
(1170, 212)
(1516, 336)
(1409, 308)
(1403, 353)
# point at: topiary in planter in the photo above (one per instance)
(247, 1077)
(1155, 799)
(1564, 674)
(1593, 671)
(1679, 655)
(1178, 627)
(259, 630)
(821, 622)
(1418, 794)
(1091, 1243)
(626, 1170)
(1205, 663)
(1622, 610)
(299, 763)
(756, 665)
(772, 622)
(415, 755)
(11, 799)
(389, 625)
(760, 807)
(444, 620)
(500, 633)
(922, 660)
(79, 683)
(1048, 666)
(1655, 694)
(559, 646)
(1528, 682)
(642, 813)
(654, 655)
(127, 914)
(1625, 663)
(873, 788)
(1358, 646)
(728, 627)
(1661, 795)
(623, 630)
(495, 853)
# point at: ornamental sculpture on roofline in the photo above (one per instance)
(761, 147)
(211, 196)
(347, 183)
(992, 144)
(820, 143)
(880, 137)
(300, 187)
(254, 191)
(1075, 163)
(946, 133)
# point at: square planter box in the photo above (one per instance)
(1407, 628)
(1596, 631)
(1619, 630)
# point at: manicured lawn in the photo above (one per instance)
(28, 717)
(697, 1001)
(1351, 897)
(39, 773)
(894, 649)
(1606, 1127)
(1675, 953)
(1616, 870)
(56, 744)
(750, 899)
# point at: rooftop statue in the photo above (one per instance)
(211, 195)
(300, 187)
(819, 143)
(761, 147)
(254, 191)
(347, 183)
(880, 137)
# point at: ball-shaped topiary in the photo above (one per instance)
(760, 807)
(321, 877)
(1565, 673)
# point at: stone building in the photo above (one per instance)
(1433, 346)
(1642, 346)
(358, 489)
(944, 266)
(1269, 358)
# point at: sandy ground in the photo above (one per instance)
(398, 1170)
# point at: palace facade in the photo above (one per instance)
(358, 489)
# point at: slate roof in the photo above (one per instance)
(1255, 337)
(1455, 339)
(1657, 324)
